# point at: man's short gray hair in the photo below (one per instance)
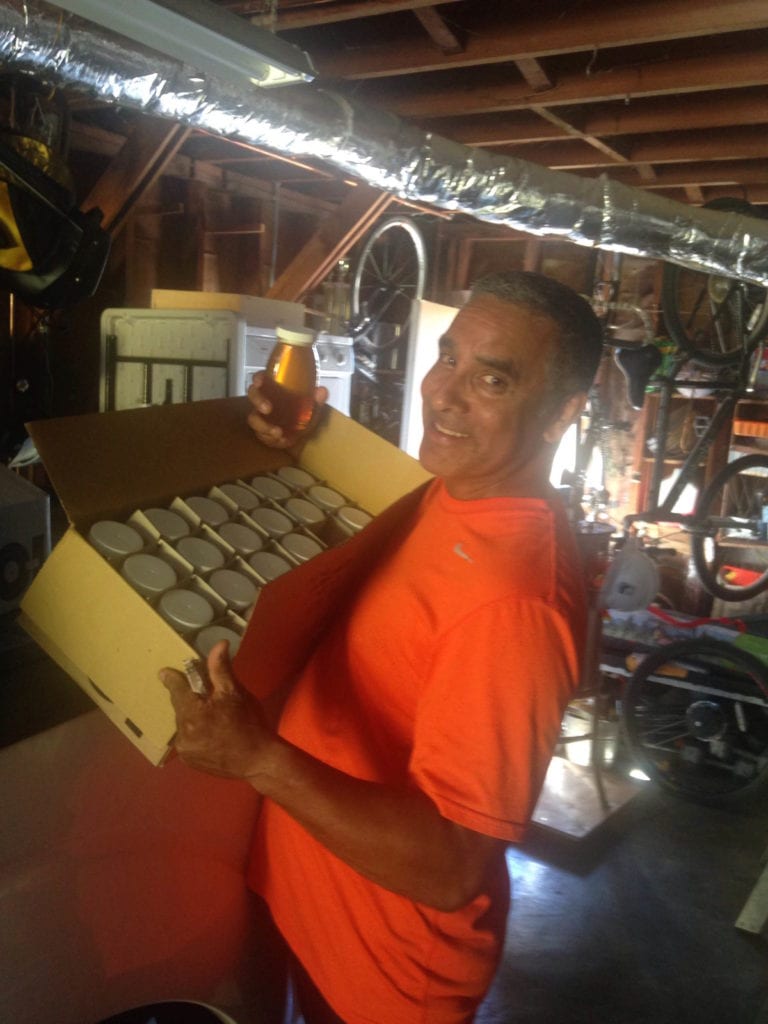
(580, 336)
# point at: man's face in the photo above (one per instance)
(487, 402)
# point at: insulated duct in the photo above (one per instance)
(313, 122)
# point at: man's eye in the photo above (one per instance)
(447, 359)
(492, 381)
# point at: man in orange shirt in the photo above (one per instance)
(423, 713)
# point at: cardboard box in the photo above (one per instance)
(256, 310)
(107, 465)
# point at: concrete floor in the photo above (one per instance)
(633, 924)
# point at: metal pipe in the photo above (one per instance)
(317, 123)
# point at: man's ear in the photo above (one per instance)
(568, 412)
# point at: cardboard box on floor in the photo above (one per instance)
(107, 465)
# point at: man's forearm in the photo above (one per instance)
(396, 838)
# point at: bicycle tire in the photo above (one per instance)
(734, 493)
(714, 337)
(389, 274)
(703, 737)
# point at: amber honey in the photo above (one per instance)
(290, 380)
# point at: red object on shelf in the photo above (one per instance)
(738, 576)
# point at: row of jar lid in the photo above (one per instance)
(190, 602)
(230, 509)
(234, 573)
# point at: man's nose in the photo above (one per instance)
(448, 392)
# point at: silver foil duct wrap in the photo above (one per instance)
(312, 122)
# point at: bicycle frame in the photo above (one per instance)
(741, 385)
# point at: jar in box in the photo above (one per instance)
(326, 498)
(211, 635)
(148, 574)
(200, 553)
(185, 610)
(210, 512)
(114, 540)
(295, 477)
(268, 566)
(300, 547)
(240, 496)
(272, 522)
(242, 538)
(268, 487)
(352, 519)
(234, 588)
(169, 524)
(305, 512)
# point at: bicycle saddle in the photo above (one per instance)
(638, 366)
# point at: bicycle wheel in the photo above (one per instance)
(730, 527)
(695, 716)
(390, 273)
(711, 317)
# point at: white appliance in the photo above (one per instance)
(429, 321)
(25, 535)
(153, 356)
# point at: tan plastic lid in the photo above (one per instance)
(295, 337)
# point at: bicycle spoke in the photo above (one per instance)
(705, 735)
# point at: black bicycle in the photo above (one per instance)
(695, 715)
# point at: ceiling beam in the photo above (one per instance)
(89, 139)
(139, 162)
(693, 74)
(743, 143)
(498, 131)
(699, 110)
(722, 173)
(437, 29)
(327, 14)
(533, 72)
(583, 30)
(641, 116)
(330, 243)
(581, 152)
(615, 155)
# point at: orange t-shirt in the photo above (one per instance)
(450, 672)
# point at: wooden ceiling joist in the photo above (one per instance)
(585, 29)
(334, 238)
(622, 84)
(309, 16)
(533, 72)
(139, 162)
(438, 31)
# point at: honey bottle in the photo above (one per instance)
(290, 380)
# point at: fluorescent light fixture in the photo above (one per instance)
(202, 35)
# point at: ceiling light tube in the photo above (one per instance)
(202, 35)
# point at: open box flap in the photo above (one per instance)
(101, 464)
(359, 463)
